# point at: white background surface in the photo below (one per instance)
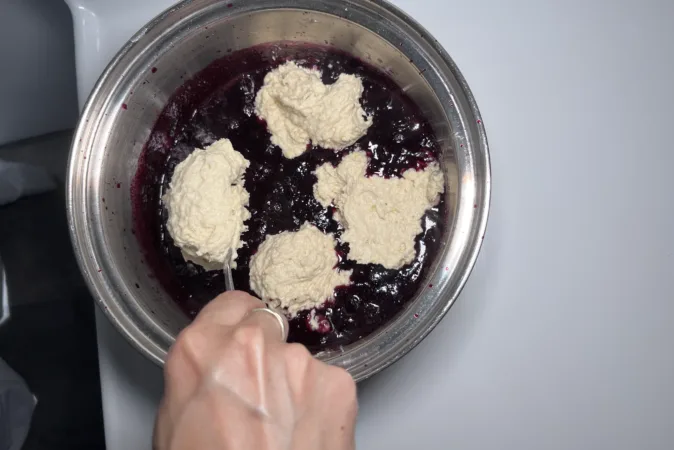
(562, 338)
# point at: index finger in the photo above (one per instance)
(273, 324)
(228, 308)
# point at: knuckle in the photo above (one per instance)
(187, 339)
(248, 334)
(343, 382)
(187, 347)
(233, 297)
(297, 353)
(226, 303)
(301, 369)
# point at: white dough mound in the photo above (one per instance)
(300, 109)
(296, 270)
(381, 216)
(206, 204)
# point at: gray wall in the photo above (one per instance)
(37, 69)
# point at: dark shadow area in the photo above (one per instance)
(50, 339)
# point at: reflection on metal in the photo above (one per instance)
(4, 296)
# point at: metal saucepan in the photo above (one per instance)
(125, 103)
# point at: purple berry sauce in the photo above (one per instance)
(219, 103)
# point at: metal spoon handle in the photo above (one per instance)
(229, 281)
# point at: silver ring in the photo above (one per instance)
(282, 321)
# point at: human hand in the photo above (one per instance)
(231, 383)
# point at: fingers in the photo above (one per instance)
(274, 325)
(340, 394)
(299, 364)
(228, 309)
(342, 389)
(237, 308)
(201, 341)
(231, 371)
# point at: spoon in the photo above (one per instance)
(227, 269)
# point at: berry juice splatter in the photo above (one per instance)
(219, 103)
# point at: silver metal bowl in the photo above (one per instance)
(180, 42)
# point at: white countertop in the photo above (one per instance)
(562, 337)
